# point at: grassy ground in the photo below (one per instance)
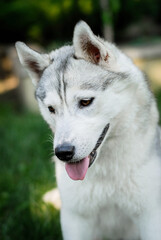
(26, 173)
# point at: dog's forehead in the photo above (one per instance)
(51, 76)
(65, 64)
(61, 56)
(66, 72)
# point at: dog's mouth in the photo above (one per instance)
(77, 170)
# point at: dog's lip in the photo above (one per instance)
(93, 154)
(92, 157)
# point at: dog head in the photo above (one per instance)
(81, 90)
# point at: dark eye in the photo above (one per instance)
(51, 109)
(85, 102)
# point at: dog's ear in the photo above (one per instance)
(88, 46)
(34, 62)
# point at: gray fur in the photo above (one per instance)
(57, 68)
(40, 92)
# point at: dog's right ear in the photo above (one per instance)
(34, 62)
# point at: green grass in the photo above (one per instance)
(26, 173)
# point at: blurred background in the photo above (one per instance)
(26, 169)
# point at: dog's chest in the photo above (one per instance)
(104, 194)
(102, 189)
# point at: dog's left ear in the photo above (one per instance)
(34, 62)
(88, 46)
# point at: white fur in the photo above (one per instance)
(120, 196)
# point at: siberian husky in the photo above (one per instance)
(107, 139)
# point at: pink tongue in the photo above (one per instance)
(77, 171)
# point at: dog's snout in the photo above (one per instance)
(65, 151)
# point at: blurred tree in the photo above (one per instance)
(109, 9)
(133, 12)
(107, 20)
(45, 21)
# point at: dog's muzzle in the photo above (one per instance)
(77, 170)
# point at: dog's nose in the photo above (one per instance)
(65, 151)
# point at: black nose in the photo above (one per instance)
(65, 151)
